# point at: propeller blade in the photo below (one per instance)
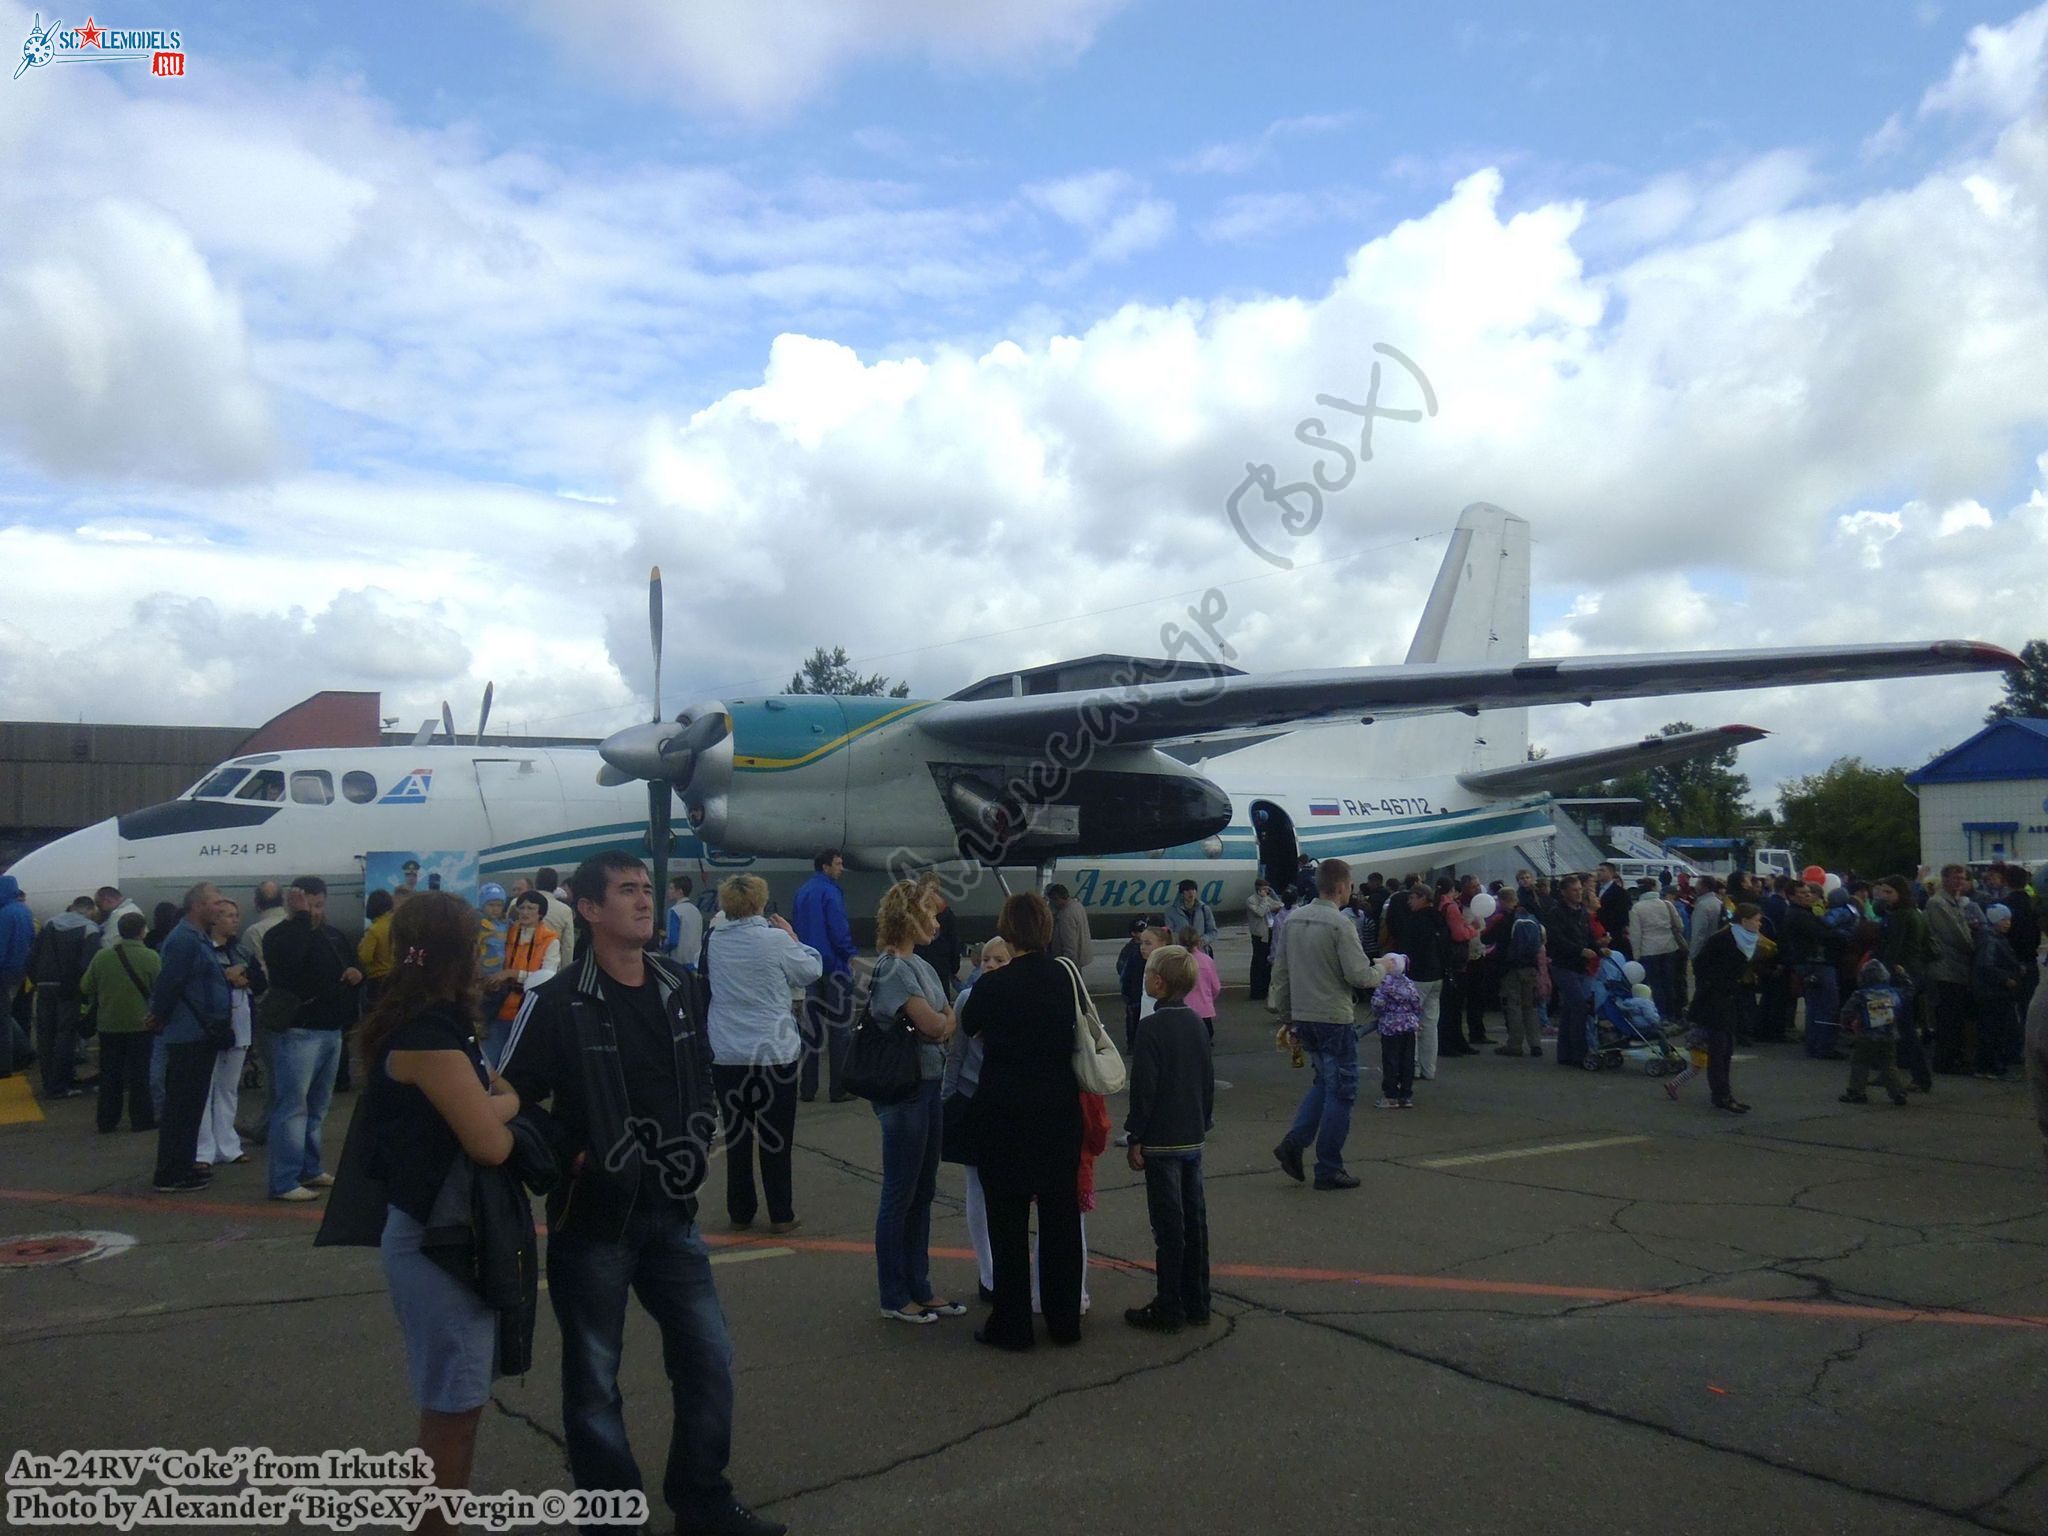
(448, 722)
(611, 778)
(483, 715)
(654, 606)
(700, 734)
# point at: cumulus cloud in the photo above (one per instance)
(762, 58)
(121, 355)
(1732, 412)
(1999, 73)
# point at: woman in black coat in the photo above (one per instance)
(1718, 976)
(1025, 1122)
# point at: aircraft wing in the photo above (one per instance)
(1575, 768)
(1152, 713)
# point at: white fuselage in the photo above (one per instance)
(518, 810)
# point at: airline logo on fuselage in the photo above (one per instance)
(410, 790)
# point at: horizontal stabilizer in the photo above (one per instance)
(1554, 774)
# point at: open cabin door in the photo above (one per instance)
(1279, 851)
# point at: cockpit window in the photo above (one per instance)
(267, 785)
(359, 788)
(312, 786)
(218, 784)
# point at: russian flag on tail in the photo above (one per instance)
(1323, 808)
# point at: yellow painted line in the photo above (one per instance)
(18, 1104)
(746, 1255)
(831, 746)
(1543, 1151)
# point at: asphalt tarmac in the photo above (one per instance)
(1559, 1302)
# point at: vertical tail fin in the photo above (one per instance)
(1478, 611)
(1479, 608)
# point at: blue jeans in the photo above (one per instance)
(661, 1258)
(1577, 1033)
(159, 1064)
(1823, 1007)
(303, 1063)
(910, 1177)
(1325, 1113)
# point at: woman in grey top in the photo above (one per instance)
(756, 963)
(903, 987)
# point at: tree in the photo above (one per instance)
(2026, 691)
(832, 672)
(1853, 816)
(1700, 797)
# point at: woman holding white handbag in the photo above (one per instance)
(1025, 1119)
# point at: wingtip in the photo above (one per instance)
(1977, 655)
(1746, 732)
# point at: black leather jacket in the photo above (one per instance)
(563, 1057)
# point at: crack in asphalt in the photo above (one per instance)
(172, 1314)
(1221, 1334)
(533, 1424)
(1974, 1515)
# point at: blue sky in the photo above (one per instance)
(377, 339)
(1371, 111)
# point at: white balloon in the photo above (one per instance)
(1832, 884)
(1634, 971)
(1484, 906)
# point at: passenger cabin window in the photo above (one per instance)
(219, 784)
(312, 786)
(359, 788)
(266, 785)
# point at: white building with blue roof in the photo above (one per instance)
(1987, 799)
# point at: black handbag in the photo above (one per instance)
(957, 1141)
(881, 1066)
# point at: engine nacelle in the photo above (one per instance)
(799, 773)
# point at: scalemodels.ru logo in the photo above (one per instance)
(163, 49)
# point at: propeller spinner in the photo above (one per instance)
(665, 753)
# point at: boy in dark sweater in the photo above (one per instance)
(1173, 1103)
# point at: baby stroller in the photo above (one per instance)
(1629, 1026)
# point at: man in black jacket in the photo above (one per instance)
(1614, 906)
(311, 959)
(1568, 935)
(611, 1060)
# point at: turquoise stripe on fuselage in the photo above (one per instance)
(1342, 842)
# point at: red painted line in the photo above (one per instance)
(1447, 1284)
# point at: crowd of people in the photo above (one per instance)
(1906, 978)
(559, 1040)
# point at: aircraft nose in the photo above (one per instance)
(77, 864)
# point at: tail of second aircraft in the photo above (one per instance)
(1478, 611)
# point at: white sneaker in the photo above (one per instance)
(301, 1193)
(894, 1315)
(1387, 1104)
(318, 1181)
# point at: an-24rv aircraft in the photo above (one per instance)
(1397, 768)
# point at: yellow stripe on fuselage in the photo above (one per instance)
(775, 763)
